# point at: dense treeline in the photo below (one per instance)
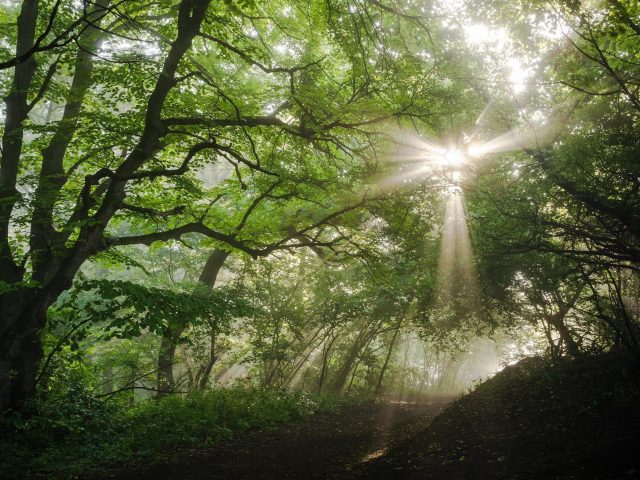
(557, 222)
(106, 137)
(328, 197)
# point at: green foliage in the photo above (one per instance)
(126, 309)
(266, 139)
(66, 425)
(210, 416)
(74, 432)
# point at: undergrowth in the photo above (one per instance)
(79, 434)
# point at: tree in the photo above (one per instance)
(227, 83)
(555, 220)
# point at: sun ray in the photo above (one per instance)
(456, 266)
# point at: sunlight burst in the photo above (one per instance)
(451, 158)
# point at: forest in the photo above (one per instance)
(382, 239)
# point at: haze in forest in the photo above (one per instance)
(224, 216)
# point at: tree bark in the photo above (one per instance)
(557, 320)
(177, 326)
(573, 349)
(326, 350)
(16, 112)
(205, 371)
(362, 340)
(166, 355)
(45, 241)
(20, 346)
(383, 370)
(23, 308)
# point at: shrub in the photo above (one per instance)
(78, 434)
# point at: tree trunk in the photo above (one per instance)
(309, 348)
(45, 241)
(177, 326)
(167, 353)
(573, 349)
(388, 357)
(361, 342)
(23, 309)
(16, 112)
(20, 346)
(205, 371)
(325, 362)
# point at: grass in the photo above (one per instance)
(82, 435)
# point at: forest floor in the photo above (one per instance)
(569, 419)
(572, 419)
(323, 446)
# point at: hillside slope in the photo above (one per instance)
(577, 419)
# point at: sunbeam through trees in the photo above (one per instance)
(319, 239)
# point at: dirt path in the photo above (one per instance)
(320, 447)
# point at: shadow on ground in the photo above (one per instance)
(319, 447)
(573, 419)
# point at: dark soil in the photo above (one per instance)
(319, 447)
(576, 419)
